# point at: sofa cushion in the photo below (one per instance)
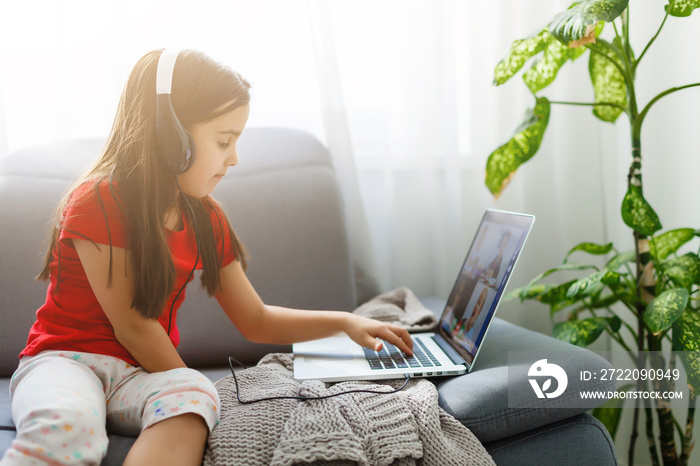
(22, 242)
(578, 441)
(479, 399)
(5, 408)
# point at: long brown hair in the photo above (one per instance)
(202, 90)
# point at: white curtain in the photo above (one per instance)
(401, 93)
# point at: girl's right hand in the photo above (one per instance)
(369, 333)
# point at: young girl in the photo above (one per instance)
(129, 235)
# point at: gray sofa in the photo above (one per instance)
(285, 203)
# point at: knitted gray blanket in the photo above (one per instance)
(404, 428)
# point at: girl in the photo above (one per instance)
(129, 236)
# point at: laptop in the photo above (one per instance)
(450, 350)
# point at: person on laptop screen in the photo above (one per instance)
(494, 267)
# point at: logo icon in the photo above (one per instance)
(543, 369)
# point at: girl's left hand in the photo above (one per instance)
(368, 332)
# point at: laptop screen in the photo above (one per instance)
(482, 279)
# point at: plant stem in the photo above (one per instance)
(632, 309)
(619, 340)
(687, 439)
(642, 256)
(653, 452)
(615, 335)
(637, 126)
(625, 324)
(651, 41)
(626, 31)
(641, 355)
(663, 407)
(589, 104)
(586, 307)
(629, 270)
(679, 429)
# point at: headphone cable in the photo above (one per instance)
(231, 360)
(196, 262)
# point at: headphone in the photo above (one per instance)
(174, 144)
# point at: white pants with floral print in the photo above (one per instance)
(63, 404)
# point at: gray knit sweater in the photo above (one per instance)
(404, 428)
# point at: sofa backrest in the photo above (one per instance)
(283, 200)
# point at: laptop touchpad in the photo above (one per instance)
(340, 346)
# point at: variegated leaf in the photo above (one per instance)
(603, 301)
(560, 268)
(684, 270)
(638, 214)
(561, 305)
(596, 301)
(663, 310)
(520, 51)
(669, 242)
(526, 292)
(556, 293)
(546, 66)
(590, 248)
(682, 7)
(609, 84)
(619, 260)
(584, 332)
(504, 161)
(587, 285)
(579, 21)
(686, 339)
(545, 293)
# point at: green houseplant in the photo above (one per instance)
(654, 286)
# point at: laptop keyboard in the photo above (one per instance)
(390, 357)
